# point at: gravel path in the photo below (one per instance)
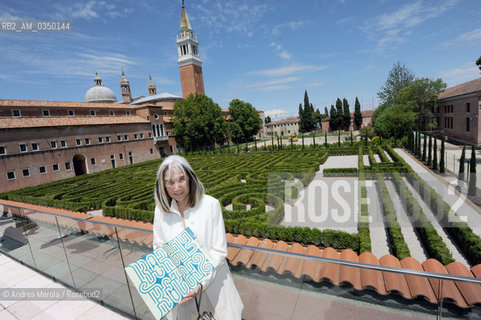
(456, 202)
(410, 237)
(457, 255)
(379, 242)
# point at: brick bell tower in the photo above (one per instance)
(190, 65)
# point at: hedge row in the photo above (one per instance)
(431, 240)
(364, 232)
(395, 236)
(338, 172)
(467, 241)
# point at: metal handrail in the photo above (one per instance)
(435, 275)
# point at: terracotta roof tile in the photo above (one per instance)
(312, 269)
(245, 255)
(295, 120)
(418, 286)
(293, 266)
(26, 122)
(63, 104)
(460, 89)
(259, 257)
(395, 282)
(470, 291)
(274, 261)
(233, 252)
(449, 290)
(330, 271)
(372, 279)
(347, 274)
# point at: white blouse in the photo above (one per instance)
(206, 222)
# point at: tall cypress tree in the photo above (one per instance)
(430, 151)
(325, 138)
(346, 117)
(472, 173)
(441, 162)
(435, 154)
(357, 114)
(424, 148)
(339, 138)
(461, 164)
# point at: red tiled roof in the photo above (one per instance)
(460, 89)
(62, 104)
(283, 121)
(38, 122)
(462, 294)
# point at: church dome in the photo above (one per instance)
(99, 93)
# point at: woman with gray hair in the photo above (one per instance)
(181, 202)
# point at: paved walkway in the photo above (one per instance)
(16, 275)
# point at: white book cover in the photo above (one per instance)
(165, 276)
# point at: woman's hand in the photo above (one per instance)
(191, 295)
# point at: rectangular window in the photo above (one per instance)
(26, 172)
(87, 140)
(151, 151)
(46, 113)
(55, 167)
(67, 165)
(128, 112)
(93, 113)
(121, 156)
(16, 113)
(42, 169)
(141, 136)
(92, 161)
(78, 142)
(34, 146)
(53, 144)
(126, 137)
(71, 113)
(111, 113)
(101, 140)
(136, 136)
(63, 143)
(468, 107)
(171, 149)
(468, 129)
(107, 139)
(150, 134)
(11, 175)
(23, 147)
(3, 150)
(119, 138)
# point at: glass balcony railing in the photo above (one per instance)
(275, 282)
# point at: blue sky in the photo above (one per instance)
(263, 52)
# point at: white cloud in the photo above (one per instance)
(287, 70)
(91, 10)
(394, 28)
(272, 83)
(284, 55)
(292, 25)
(315, 83)
(463, 73)
(468, 38)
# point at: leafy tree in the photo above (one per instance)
(267, 120)
(198, 122)
(334, 121)
(421, 97)
(441, 161)
(478, 63)
(461, 164)
(357, 114)
(318, 116)
(307, 116)
(472, 173)
(346, 117)
(399, 77)
(244, 121)
(394, 122)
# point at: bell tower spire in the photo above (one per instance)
(190, 64)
